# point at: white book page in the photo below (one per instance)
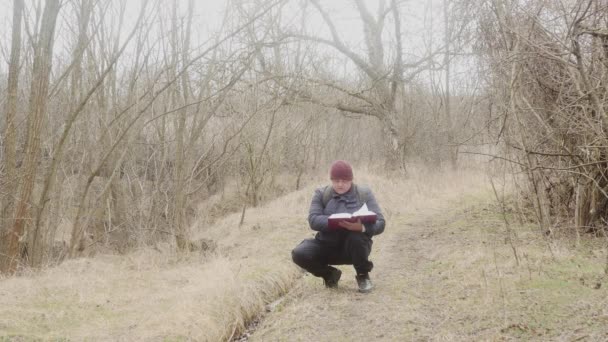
(363, 211)
(340, 216)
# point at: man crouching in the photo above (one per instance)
(351, 243)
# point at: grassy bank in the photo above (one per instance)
(155, 294)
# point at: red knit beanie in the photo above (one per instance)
(341, 169)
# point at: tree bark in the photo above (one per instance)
(38, 102)
(40, 240)
(9, 181)
(181, 162)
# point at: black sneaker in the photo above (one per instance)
(331, 280)
(365, 284)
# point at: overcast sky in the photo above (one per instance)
(208, 17)
(417, 24)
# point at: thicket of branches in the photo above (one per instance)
(115, 127)
(547, 63)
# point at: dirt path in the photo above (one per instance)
(443, 273)
(407, 302)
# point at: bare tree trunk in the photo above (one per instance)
(581, 209)
(452, 149)
(394, 144)
(38, 101)
(39, 241)
(179, 209)
(9, 182)
(110, 212)
(256, 176)
(541, 200)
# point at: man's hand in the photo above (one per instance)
(352, 226)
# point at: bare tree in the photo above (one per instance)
(40, 237)
(38, 101)
(128, 130)
(550, 80)
(384, 77)
(9, 180)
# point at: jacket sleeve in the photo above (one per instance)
(377, 228)
(316, 219)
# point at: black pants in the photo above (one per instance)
(315, 256)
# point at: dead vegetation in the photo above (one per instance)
(156, 293)
(121, 117)
(137, 129)
(445, 270)
(547, 67)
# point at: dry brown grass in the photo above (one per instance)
(155, 294)
(145, 296)
(444, 270)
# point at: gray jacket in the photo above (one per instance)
(345, 203)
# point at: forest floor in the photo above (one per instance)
(451, 265)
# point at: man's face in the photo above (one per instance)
(341, 185)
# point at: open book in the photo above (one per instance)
(363, 214)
